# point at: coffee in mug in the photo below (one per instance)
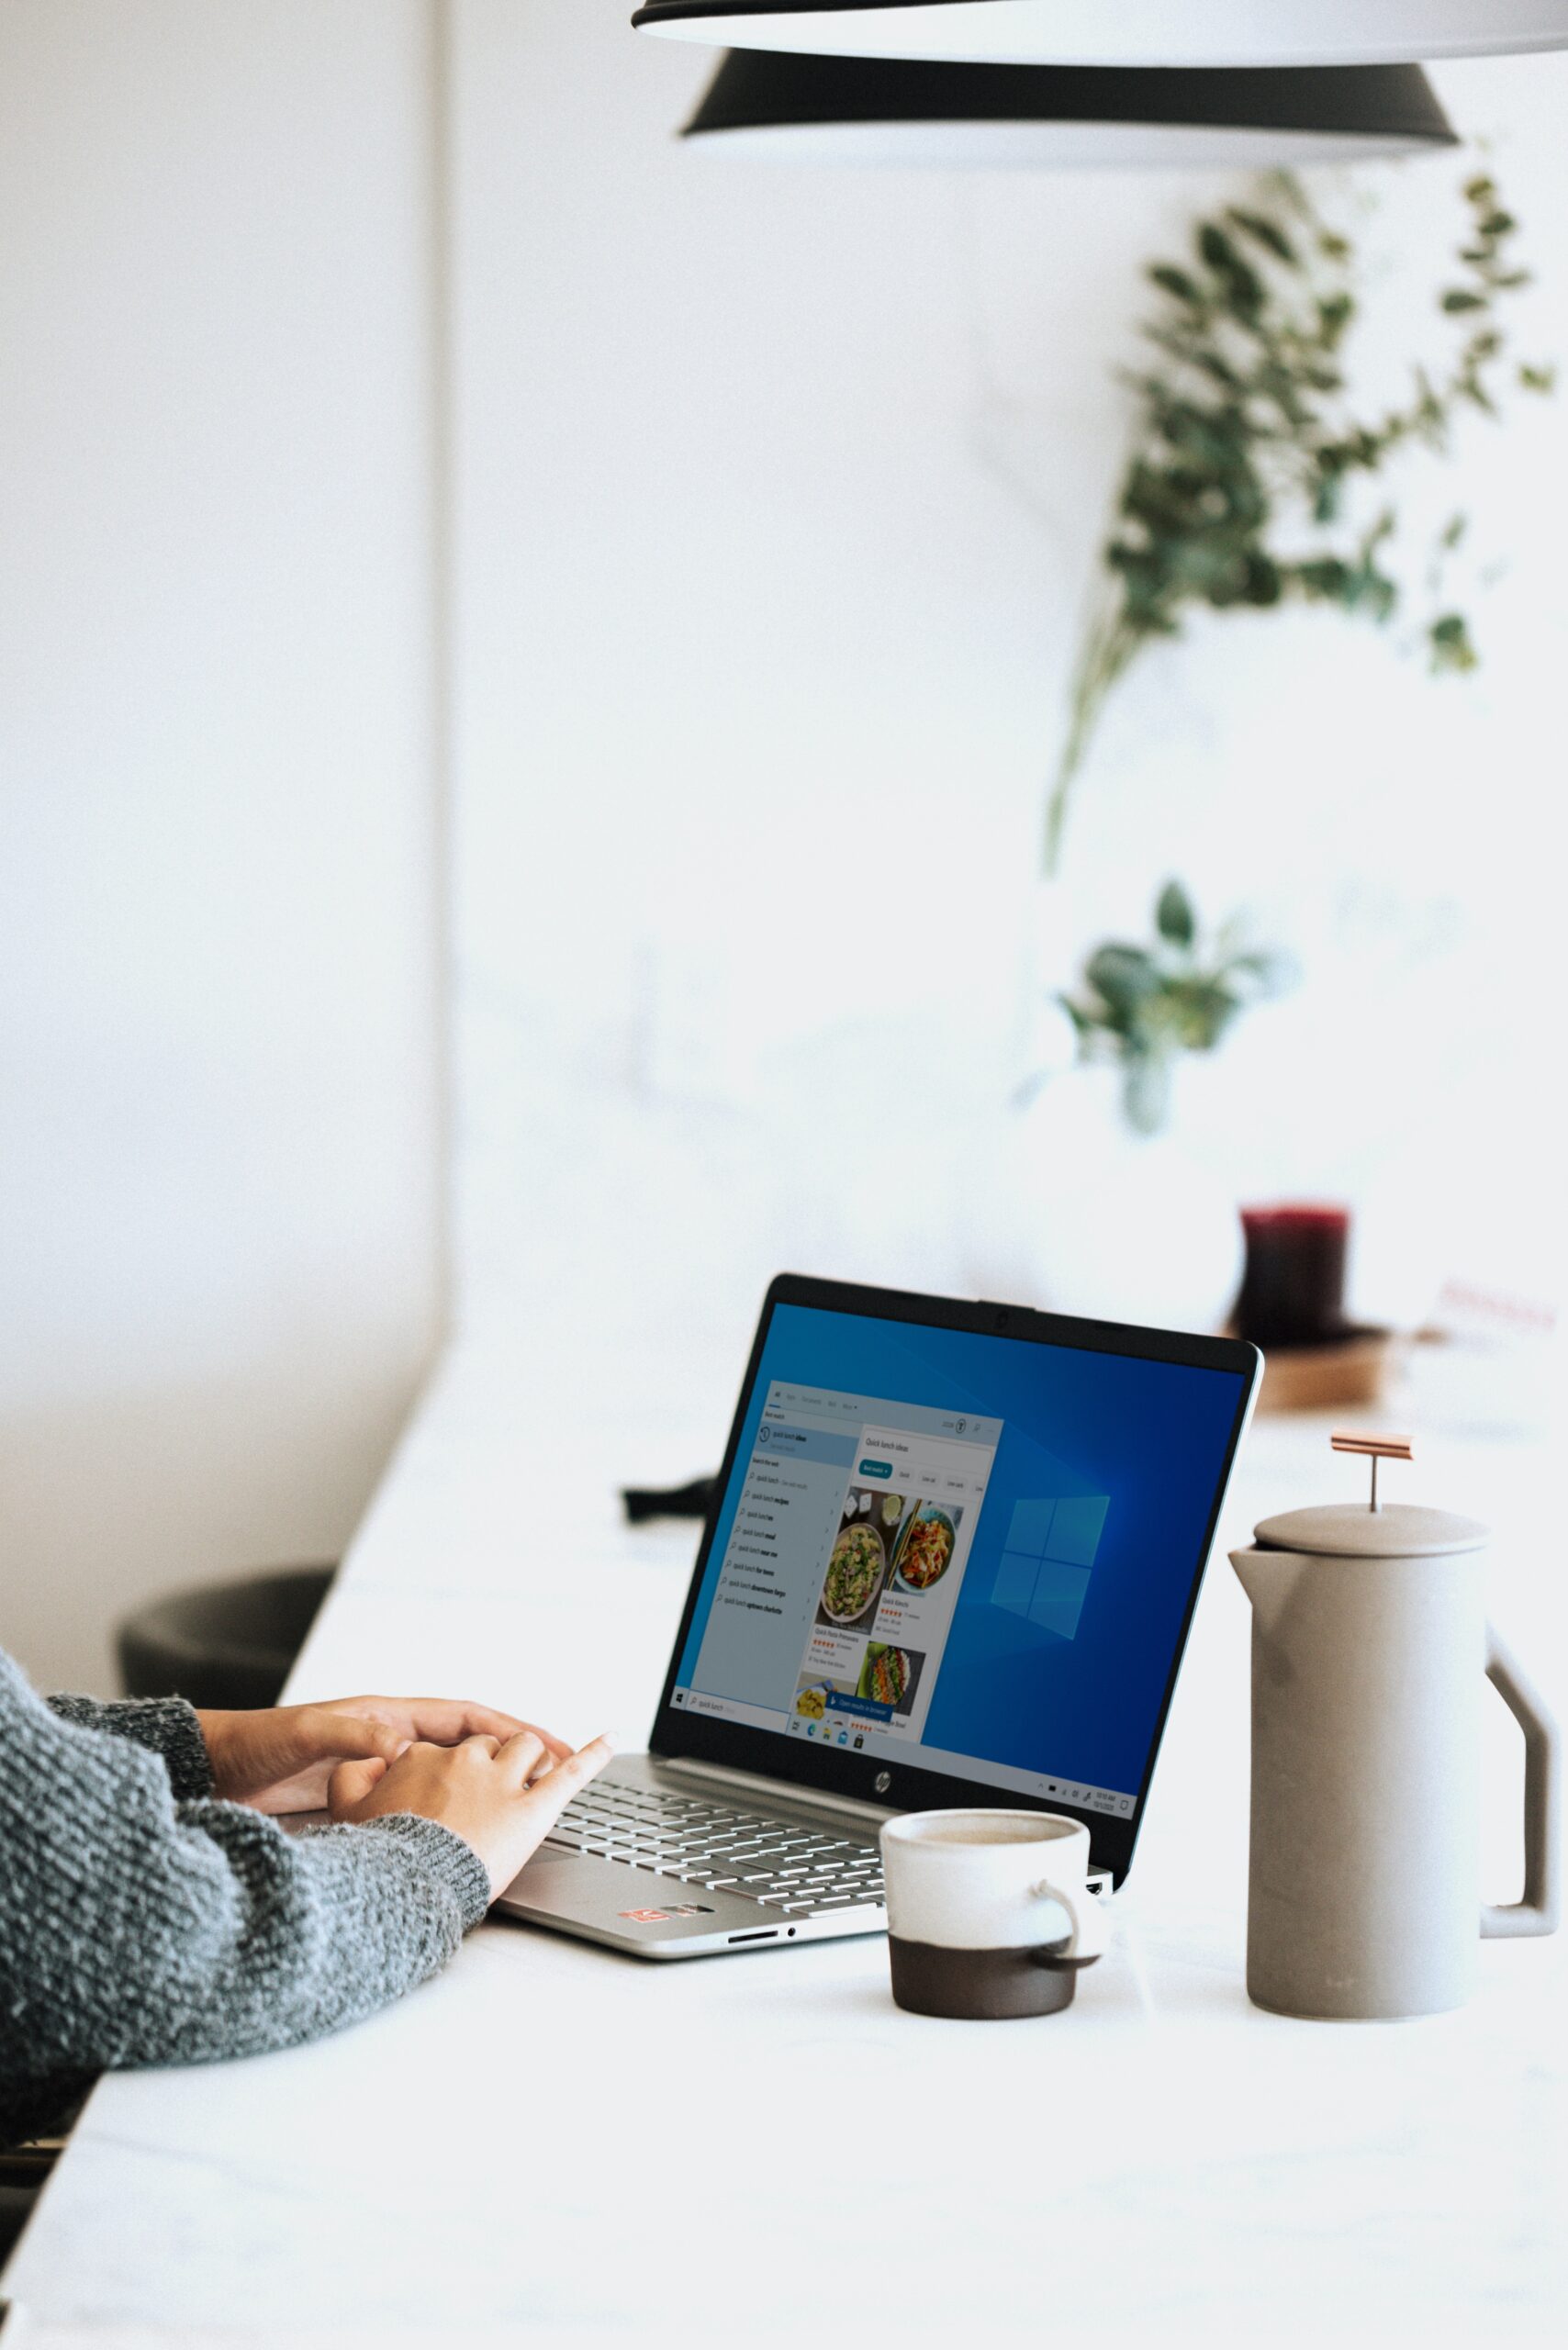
(988, 1913)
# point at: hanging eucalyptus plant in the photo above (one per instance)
(1246, 440)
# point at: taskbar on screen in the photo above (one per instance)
(860, 1736)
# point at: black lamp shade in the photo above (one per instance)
(908, 110)
(1121, 32)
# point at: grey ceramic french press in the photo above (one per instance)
(1370, 1650)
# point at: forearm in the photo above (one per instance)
(236, 1938)
(134, 1931)
(165, 1726)
(305, 1934)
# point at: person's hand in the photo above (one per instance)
(280, 1759)
(501, 1796)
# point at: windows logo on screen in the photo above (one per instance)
(1048, 1560)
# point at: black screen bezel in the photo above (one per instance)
(840, 1771)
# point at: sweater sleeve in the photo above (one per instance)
(135, 1930)
(167, 1725)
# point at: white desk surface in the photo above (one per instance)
(553, 2143)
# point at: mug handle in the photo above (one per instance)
(1087, 1940)
(1540, 1909)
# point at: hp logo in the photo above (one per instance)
(882, 1782)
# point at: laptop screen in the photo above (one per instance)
(960, 1550)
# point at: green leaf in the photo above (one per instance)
(1453, 531)
(1451, 649)
(1262, 586)
(1204, 1009)
(1323, 579)
(1173, 915)
(1218, 370)
(1175, 282)
(1537, 379)
(1334, 315)
(1124, 976)
(1265, 234)
(1379, 594)
(1457, 299)
(1241, 287)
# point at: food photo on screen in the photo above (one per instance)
(925, 1549)
(890, 1676)
(813, 1696)
(857, 1565)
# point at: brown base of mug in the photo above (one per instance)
(982, 1984)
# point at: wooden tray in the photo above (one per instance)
(1352, 1370)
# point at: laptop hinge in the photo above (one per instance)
(753, 1784)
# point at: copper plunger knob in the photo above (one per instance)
(1381, 1447)
(1375, 1449)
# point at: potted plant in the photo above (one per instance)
(1141, 1007)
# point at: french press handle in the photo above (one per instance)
(1540, 1909)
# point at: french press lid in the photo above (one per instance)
(1367, 1529)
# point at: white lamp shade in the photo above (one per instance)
(1121, 32)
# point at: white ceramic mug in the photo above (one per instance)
(988, 1913)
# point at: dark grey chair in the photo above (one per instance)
(223, 1645)
(23, 2172)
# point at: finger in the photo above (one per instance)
(507, 1725)
(445, 1722)
(491, 1746)
(557, 1748)
(521, 1757)
(351, 1737)
(351, 1782)
(548, 1797)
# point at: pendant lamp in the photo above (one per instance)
(1121, 32)
(908, 111)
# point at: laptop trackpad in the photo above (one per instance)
(591, 1892)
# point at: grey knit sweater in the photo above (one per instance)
(143, 1922)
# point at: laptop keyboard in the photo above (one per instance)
(801, 1871)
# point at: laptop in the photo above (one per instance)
(951, 1558)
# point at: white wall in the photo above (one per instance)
(781, 493)
(219, 1076)
(777, 498)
